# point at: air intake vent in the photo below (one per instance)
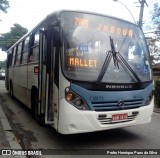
(105, 120)
(117, 105)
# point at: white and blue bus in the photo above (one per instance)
(82, 72)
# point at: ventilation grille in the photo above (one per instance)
(114, 105)
(105, 120)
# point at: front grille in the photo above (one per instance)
(105, 120)
(113, 105)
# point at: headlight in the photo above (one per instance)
(75, 100)
(78, 102)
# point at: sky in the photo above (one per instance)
(28, 13)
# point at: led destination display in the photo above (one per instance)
(103, 27)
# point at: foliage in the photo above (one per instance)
(2, 64)
(9, 38)
(4, 5)
(154, 49)
(156, 15)
(154, 40)
(157, 91)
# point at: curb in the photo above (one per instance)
(10, 137)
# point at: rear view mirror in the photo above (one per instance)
(57, 36)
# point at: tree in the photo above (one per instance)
(156, 16)
(9, 38)
(4, 5)
(154, 42)
(154, 49)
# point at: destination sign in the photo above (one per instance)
(103, 27)
(81, 62)
(81, 22)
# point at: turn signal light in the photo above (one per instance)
(70, 96)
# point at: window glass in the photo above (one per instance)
(36, 39)
(25, 51)
(18, 54)
(26, 43)
(25, 57)
(99, 47)
(14, 53)
(9, 58)
(34, 57)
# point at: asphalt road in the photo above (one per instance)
(32, 136)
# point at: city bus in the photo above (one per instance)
(81, 72)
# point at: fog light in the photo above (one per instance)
(70, 96)
(72, 127)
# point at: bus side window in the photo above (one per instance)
(25, 51)
(34, 56)
(18, 55)
(15, 50)
(14, 54)
(9, 60)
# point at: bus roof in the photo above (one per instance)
(57, 14)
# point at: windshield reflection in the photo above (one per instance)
(85, 51)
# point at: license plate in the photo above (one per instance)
(118, 117)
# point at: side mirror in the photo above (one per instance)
(57, 36)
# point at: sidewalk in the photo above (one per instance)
(7, 137)
(157, 110)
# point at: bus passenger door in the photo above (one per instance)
(42, 75)
(49, 112)
(45, 78)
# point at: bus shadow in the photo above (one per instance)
(20, 104)
(109, 138)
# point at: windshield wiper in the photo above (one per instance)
(114, 53)
(104, 67)
(110, 54)
(117, 58)
(123, 62)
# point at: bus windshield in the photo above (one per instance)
(86, 46)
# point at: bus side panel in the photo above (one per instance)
(63, 83)
(16, 83)
(8, 64)
(24, 85)
(10, 76)
(7, 78)
(7, 73)
(20, 87)
(32, 79)
(56, 107)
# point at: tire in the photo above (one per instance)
(11, 91)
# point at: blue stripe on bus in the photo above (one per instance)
(108, 101)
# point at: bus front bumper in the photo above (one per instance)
(72, 120)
